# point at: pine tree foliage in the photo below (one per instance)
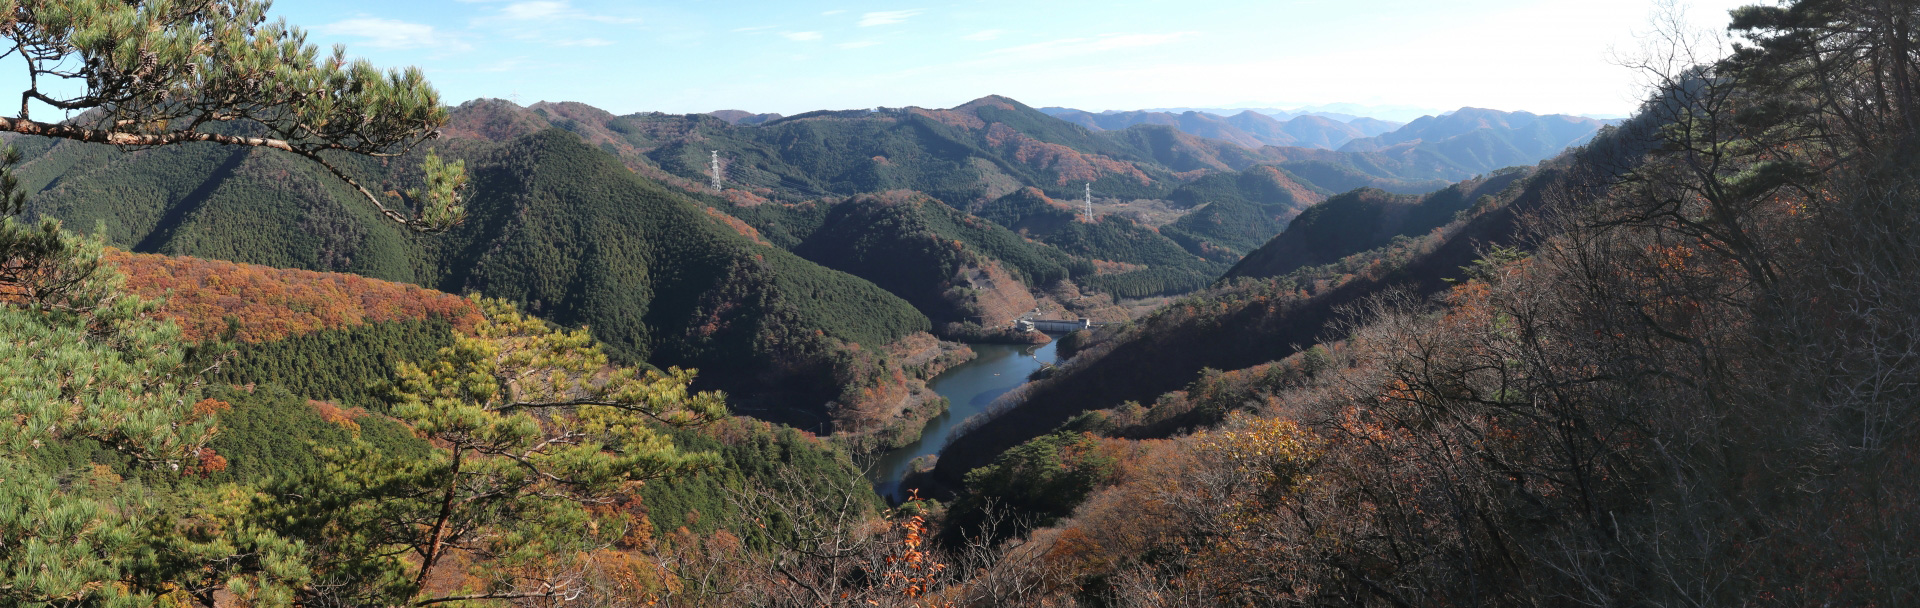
(534, 427)
(153, 73)
(84, 364)
(84, 359)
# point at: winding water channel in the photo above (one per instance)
(969, 388)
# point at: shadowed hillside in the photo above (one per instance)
(1365, 219)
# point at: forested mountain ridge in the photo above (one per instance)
(1365, 219)
(956, 154)
(955, 267)
(967, 268)
(977, 151)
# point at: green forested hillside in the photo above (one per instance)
(1342, 175)
(553, 223)
(1136, 260)
(906, 242)
(936, 257)
(182, 483)
(292, 395)
(1365, 219)
(1028, 211)
(756, 458)
(567, 229)
(341, 364)
(271, 433)
(1238, 211)
(1230, 225)
(211, 201)
(1167, 267)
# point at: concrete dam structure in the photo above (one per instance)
(1056, 325)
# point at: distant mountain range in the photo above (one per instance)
(1248, 128)
(1486, 135)
(1344, 112)
(1531, 136)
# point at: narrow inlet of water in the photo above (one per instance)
(968, 387)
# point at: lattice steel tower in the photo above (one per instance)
(716, 170)
(1089, 203)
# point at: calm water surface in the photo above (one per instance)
(968, 387)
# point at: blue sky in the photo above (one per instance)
(788, 57)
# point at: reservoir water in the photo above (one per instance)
(968, 387)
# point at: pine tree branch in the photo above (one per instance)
(124, 139)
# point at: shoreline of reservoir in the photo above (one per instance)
(969, 388)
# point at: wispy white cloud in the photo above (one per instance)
(857, 45)
(802, 36)
(502, 66)
(392, 34)
(550, 22)
(526, 11)
(1070, 47)
(983, 35)
(612, 19)
(887, 17)
(549, 11)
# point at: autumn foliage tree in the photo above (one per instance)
(251, 303)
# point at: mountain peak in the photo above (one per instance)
(991, 101)
(493, 120)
